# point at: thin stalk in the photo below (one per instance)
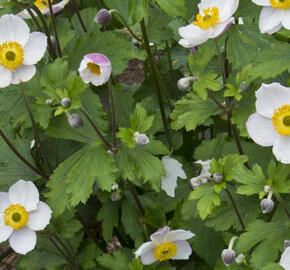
(126, 25)
(79, 16)
(171, 68)
(23, 159)
(157, 82)
(54, 28)
(36, 135)
(136, 198)
(34, 19)
(283, 203)
(216, 101)
(96, 128)
(114, 126)
(236, 209)
(220, 60)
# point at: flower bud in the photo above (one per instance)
(110, 152)
(115, 196)
(48, 101)
(240, 258)
(286, 243)
(65, 102)
(103, 16)
(267, 206)
(75, 121)
(267, 189)
(218, 177)
(183, 84)
(228, 256)
(141, 139)
(115, 187)
(194, 184)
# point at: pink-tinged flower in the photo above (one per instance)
(43, 6)
(285, 259)
(270, 124)
(214, 18)
(20, 50)
(21, 214)
(274, 15)
(95, 68)
(165, 245)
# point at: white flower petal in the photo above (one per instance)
(5, 77)
(144, 248)
(59, 6)
(13, 28)
(4, 201)
(22, 241)
(261, 130)
(262, 2)
(23, 74)
(179, 235)
(221, 28)
(25, 15)
(159, 236)
(286, 19)
(271, 97)
(39, 219)
(148, 258)
(227, 8)
(183, 251)
(24, 193)
(285, 259)
(192, 35)
(281, 149)
(35, 48)
(205, 167)
(5, 231)
(270, 18)
(173, 170)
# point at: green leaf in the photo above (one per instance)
(117, 260)
(109, 215)
(173, 8)
(137, 163)
(140, 121)
(88, 15)
(273, 266)
(204, 83)
(126, 135)
(137, 9)
(192, 111)
(118, 49)
(266, 238)
(207, 198)
(155, 217)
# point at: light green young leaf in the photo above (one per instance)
(204, 83)
(173, 8)
(140, 121)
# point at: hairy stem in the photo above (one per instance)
(136, 198)
(114, 126)
(79, 15)
(36, 135)
(54, 28)
(236, 209)
(155, 74)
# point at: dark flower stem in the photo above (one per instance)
(136, 198)
(36, 135)
(34, 19)
(114, 126)
(23, 159)
(86, 114)
(79, 15)
(157, 78)
(54, 28)
(236, 209)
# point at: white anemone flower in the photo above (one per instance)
(270, 125)
(95, 68)
(165, 245)
(173, 170)
(43, 7)
(21, 214)
(20, 50)
(274, 15)
(204, 173)
(285, 259)
(214, 18)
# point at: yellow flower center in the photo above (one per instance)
(210, 18)
(281, 120)
(11, 55)
(283, 4)
(165, 251)
(94, 68)
(42, 5)
(15, 216)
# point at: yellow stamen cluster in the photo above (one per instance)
(281, 120)
(42, 5)
(94, 68)
(283, 4)
(16, 216)
(11, 55)
(165, 251)
(210, 18)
